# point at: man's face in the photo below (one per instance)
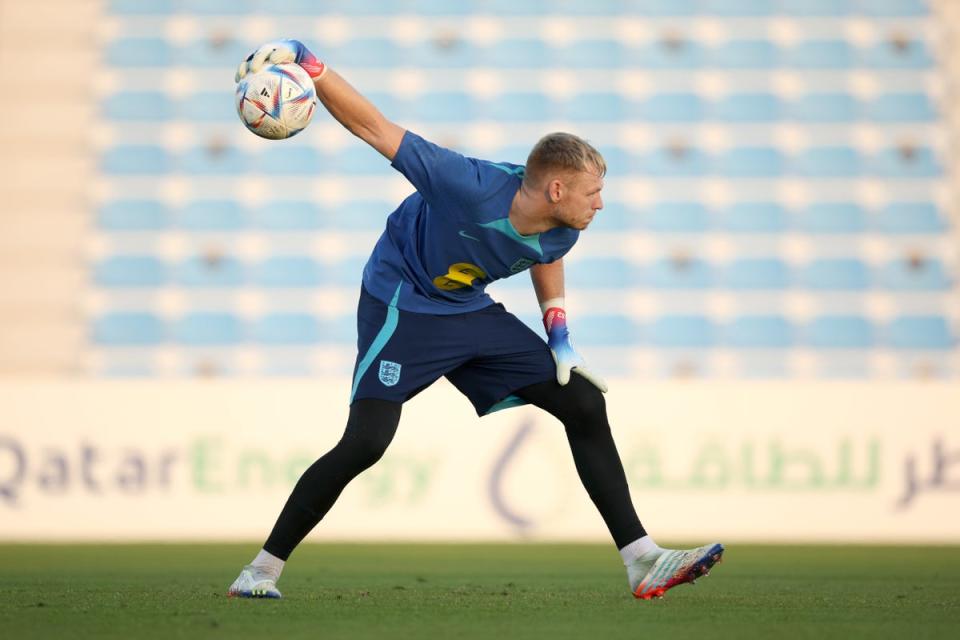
(580, 200)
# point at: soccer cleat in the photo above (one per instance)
(670, 569)
(253, 583)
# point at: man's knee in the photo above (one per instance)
(586, 403)
(370, 429)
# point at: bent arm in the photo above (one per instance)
(548, 283)
(358, 115)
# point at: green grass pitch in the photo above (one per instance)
(475, 591)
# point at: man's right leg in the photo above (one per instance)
(370, 429)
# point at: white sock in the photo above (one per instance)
(268, 564)
(639, 548)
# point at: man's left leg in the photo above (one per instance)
(582, 409)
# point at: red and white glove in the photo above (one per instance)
(564, 355)
(279, 52)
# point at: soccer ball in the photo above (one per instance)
(276, 102)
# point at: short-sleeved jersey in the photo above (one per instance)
(452, 237)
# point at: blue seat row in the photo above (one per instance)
(671, 52)
(670, 161)
(653, 8)
(662, 217)
(909, 274)
(748, 332)
(457, 106)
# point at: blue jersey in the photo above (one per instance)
(445, 243)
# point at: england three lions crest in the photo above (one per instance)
(389, 373)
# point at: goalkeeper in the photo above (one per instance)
(423, 314)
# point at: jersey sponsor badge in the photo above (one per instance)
(389, 373)
(521, 265)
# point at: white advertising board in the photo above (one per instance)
(706, 461)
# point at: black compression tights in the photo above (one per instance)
(373, 423)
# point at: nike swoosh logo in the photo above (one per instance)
(464, 234)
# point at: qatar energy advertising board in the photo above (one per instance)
(216, 460)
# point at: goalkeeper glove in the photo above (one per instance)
(279, 52)
(564, 355)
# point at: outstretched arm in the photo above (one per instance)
(548, 283)
(344, 103)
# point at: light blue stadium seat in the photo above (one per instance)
(516, 54)
(804, 8)
(689, 273)
(901, 107)
(745, 54)
(755, 217)
(526, 106)
(200, 272)
(441, 7)
(225, 53)
(917, 274)
(288, 215)
(346, 272)
(748, 107)
(824, 107)
(343, 329)
(680, 53)
(757, 273)
(139, 52)
(895, 8)
(605, 331)
(366, 8)
(361, 215)
(759, 332)
(138, 106)
(620, 162)
(212, 215)
(291, 159)
(360, 159)
(595, 107)
(674, 161)
(390, 105)
(288, 271)
(130, 271)
(682, 331)
(910, 217)
(739, 8)
(128, 328)
(668, 7)
(832, 217)
(217, 7)
(839, 332)
(836, 274)
(133, 215)
(920, 332)
(208, 106)
(602, 273)
(136, 160)
(898, 54)
(678, 217)
(446, 52)
(820, 54)
(671, 107)
(141, 7)
(591, 54)
(615, 216)
(828, 162)
(288, 329)
(913, 162)
(445, 106)
(209, 328)
(750, 162)
(594, 8)
(294, 7)
(209, 160)
(367, 52)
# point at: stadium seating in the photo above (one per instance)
(737, 172)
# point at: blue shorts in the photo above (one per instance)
(487, 354)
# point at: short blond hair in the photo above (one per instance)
(564, 152)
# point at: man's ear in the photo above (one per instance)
(555, 190)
